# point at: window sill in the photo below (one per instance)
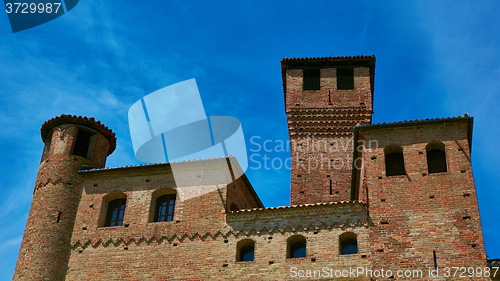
(396, 176)
(163, 222)
(109, 227)
(439, 173)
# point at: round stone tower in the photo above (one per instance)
(71, 143)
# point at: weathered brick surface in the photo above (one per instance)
(320, 124)
(200, 206)
(399, 222)
(212, 255)
(416, 214)
(44, 252)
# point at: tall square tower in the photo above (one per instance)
(325, 98)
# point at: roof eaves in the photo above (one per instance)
(297, 206)
(143, 166)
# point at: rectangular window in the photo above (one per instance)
(345, 79)
(311, 79)
(82, 143)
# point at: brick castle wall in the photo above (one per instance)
(400, 222)
(418, 214)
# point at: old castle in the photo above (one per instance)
(406, 205)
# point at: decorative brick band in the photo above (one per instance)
(181, 237)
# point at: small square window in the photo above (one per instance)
(345, 79)
(311, 79)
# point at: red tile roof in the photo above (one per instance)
(494, 262)
(79, 120)
(337, 58)
(364, 61)
(296, 206)
(462, 117)
(95, 169)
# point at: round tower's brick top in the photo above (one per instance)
(79, 120)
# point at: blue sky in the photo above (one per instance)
(434, 59)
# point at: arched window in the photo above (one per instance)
(165, 207)
(82, 142)
(112, 209)
(436, 158)
(245, 250)
(348, 243)
(394, 161)
(116, 210)
(296, 247)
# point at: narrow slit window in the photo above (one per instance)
(58, 219)
(435, 260)
(311, 79)
(82, 142)
(331, 188)
(345, 79)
